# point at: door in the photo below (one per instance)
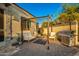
(1, 25)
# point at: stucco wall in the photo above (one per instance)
(59, 28)
(66, 27)
(16, 28)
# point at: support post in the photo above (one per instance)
(48, 32)
(11, 27)
(76, 42)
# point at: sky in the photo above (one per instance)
(42, 9)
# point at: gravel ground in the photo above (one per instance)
(56, 49)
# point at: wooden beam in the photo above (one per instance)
(7, 4)
(38, 17)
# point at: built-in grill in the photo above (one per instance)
(66, 37)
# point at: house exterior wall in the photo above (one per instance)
(24, 14)
(12, 22)
(13, 14)
(16, 28)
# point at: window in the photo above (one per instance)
(26, 24)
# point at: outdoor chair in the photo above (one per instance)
(52, 36)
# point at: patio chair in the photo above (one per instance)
(52, 36)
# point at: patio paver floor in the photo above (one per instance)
(56, 49)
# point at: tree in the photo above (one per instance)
(63, 18)
(45, 24)
(52, 23)
(69, 10)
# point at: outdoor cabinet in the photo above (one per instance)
(65, 40)
(69, 41)
(66, 37)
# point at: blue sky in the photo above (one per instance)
(42, 9)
